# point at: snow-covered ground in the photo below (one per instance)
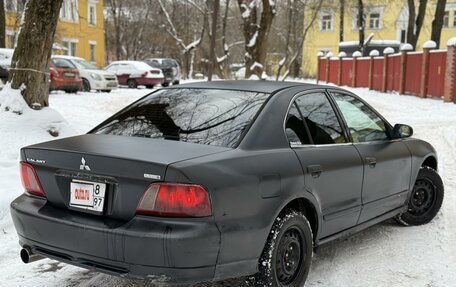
(383, 255)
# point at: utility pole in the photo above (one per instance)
(213, 60)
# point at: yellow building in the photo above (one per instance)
(80, 30)
(385, 19)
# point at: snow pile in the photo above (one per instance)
(451, 42)
(388, 51)
(429, 45)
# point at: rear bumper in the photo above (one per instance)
(104, 85)
(67, 84)
(144, 81)
(166, 250)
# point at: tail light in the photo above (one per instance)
(175, 200)
(53, 72)
(30, 180)
(154, 72)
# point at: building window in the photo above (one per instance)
(374, 21)
(454, 19)
(92, 51)
(92, 14)
(446, 19)
(70, 46)
(326, 21)
(69, 11)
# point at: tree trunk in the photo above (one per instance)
(437, 23)
(2, 24)
(213, 57)
(415, 22)
(256, 34)
(30, 64)
(361, 26)
(341, 20)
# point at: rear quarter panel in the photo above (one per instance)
(248, 189)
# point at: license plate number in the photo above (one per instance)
(87, 195)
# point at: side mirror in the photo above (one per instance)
(402, 131)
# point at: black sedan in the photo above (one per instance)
(209, 181)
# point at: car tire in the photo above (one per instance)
(149, 86)
(132, 84)
(425, 200)
(85, 85)
(176, 82)
(166, 84)
(287, 255)
(105, 91)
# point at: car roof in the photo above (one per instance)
(251, 86)
(67, 57)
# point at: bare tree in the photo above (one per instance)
(293, 52)
(257, 19)
(30, 63)
(341, 19)
(2, 24)
(361, 23)
(437, 23)
(415, 21)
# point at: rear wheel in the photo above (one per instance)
(149, 86)
(132, 84)
(425, 200)
(165, 84)
(85, 85)
(105, 91)
(287, 256)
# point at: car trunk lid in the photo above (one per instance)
(126, 165)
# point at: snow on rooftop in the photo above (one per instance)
(371, 43)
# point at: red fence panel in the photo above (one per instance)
(322, 69)
(436, 80)
(393, 73)
(377, 77)
(347, 72)
(333, 71)
(362, 72)
(413, 73)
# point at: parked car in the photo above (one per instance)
(64, 76)
(213, 180)
(92, 77)
(136, 73)
(169, 67)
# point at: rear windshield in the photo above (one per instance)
(164, 63)
(204, 116)
(62, 63)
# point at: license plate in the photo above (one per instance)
(87, 195)
(69, 75)
(112, 84)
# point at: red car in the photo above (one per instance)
(64, 76)
(136, 73)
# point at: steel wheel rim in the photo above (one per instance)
(423, 197)
(290, 255)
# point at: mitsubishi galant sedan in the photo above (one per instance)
(214, 180)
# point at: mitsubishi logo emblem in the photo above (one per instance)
(83, 165)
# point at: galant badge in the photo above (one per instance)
(83, 165)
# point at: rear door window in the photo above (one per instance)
(204, 116)
(320, 119)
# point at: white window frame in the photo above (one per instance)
(69, 11)
(323, 24)
(94, 45)
(446, 18)
(368, 10)
(70, 41)
(92, 4)
(378, 22)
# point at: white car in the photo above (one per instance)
(92, 77)
(136, 73)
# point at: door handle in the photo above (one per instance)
(371, 161)
(315, 170)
